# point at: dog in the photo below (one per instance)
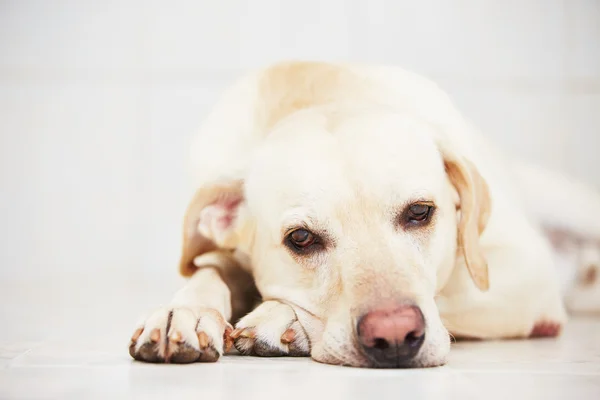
(351, 214)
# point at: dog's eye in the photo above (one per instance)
(417, 214)
(303, 242)
(301, 238)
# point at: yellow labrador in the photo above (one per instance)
(371, 218)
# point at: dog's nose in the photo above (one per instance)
(391, 337)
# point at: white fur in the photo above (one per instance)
(346, 165)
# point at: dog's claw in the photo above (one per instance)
(227, 339)
(288, 336)
(176, 337)
(243, 332)
(203, 340)
(155, 335)
(137, 334)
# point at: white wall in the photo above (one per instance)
(98, 100)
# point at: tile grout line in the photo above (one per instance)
(29, 350)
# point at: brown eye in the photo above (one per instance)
(418, 213)
(301, 238)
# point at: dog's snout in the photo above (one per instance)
(392, 337)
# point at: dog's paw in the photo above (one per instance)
(271, 330)
(180, 335)
(545, 329)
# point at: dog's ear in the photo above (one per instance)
(475, 207)
(210, 222)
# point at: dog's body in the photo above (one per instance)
(373, 220)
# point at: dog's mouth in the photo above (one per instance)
(334, 348)
(348, 356)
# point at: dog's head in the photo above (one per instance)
(356, 220)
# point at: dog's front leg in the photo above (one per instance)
(194, 326)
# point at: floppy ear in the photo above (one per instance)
(475, 206)
(209, 222)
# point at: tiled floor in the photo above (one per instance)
(67, 339)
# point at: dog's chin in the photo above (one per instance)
(358, 360)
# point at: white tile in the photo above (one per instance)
(235, 377)
(235, 34)
(582, 136)
(193, 35)
(493, 40)
(528, 125)
(553, 356)
(73, 349)
(313, 29)
(85, 36)
(10, 351)
(463, 38)
(175, 111)
(516, 384)
(74, 312)
(72, 166)
(583, 39)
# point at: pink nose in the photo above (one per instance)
(392, 336)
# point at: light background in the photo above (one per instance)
(98, 100)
